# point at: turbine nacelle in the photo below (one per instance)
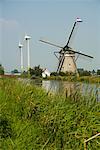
(20, 45)
(27, 37)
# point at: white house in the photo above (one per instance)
(45, 73)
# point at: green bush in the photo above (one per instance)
(1, 70)
(5, 127)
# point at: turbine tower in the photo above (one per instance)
(21, 56)
(27, 38)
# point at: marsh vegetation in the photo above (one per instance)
(33, 119)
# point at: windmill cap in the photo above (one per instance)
(78, 20)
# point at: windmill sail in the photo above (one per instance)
(66, 48)
(47, 42)
(73, 32)
(61, 61)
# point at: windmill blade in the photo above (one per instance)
(80, 53)
(61, 61)
(65, 48)
(77, 57)
(61, 58)
(47, 42)
(84, 54)
(72, 32)
(55, 53)
(69, 49)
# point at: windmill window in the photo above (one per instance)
(69, 64)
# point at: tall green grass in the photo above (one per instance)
(30, 119)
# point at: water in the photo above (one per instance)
(63, 87)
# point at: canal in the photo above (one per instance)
(63, 87)
(66, 87)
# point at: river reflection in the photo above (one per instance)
(61, 87)
(65, 87)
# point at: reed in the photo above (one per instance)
(30, 118)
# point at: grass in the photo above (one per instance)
(30, 119)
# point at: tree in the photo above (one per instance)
(83, 72)
(1, 70)
(98, 72)
(54, 74)
(62, 74)
(36, 71)
(14, 71)
(93, 72)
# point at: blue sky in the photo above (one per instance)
(51, 20)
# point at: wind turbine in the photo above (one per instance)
(21, 56)
(27, 38)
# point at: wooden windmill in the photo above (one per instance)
(67, 58)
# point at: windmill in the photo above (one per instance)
(21, 55)
(67, 59)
